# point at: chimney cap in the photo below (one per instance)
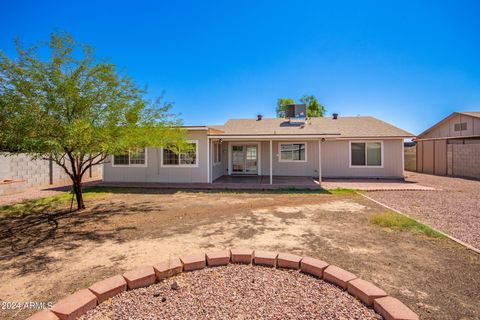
(335, 116)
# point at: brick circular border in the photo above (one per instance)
(80, 302)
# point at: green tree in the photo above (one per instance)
(281, 104)
(314, 108)
(58, 102)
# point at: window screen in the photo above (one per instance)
(170, 158)
(366, 154)
(292, 152)
(358, 154)
(133, 157)
(374, 154)
(137, 156)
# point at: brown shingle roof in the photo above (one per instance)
(357, 127)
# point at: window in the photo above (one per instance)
(290, 152)
(217, 153)
(460, 126)
(366, 154)
(182, 159)
(135, 157)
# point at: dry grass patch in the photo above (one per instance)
(396, 221)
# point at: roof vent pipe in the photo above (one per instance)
(259, 117)
(335, 116)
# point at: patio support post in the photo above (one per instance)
(320, 161)
(271, 163)
(208, 160)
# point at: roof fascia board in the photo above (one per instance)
(448, 138)
(335, 137)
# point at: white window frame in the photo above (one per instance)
(239, 143)
(365, 166)
(129, 165)
(219, 153)
(181, 165)
(279, 147)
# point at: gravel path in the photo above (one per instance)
(454, 208)
(235, 292)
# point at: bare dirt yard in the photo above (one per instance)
(453, 208)
(48, 252)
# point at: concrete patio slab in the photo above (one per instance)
(229, 183)
(374, 185)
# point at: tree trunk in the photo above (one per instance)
(77, 189)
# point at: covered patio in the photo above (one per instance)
(264, 182)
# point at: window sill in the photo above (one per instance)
(301, 161)
(179, 166)
(129, 165)
(373, 167)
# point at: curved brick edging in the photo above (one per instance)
(80, 302)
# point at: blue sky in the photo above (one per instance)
(410, 63)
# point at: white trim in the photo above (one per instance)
(372, 139)
(319, 160)
(229, 159)
(271, 162)
(403, 156)
(194, 128)
(244, 143)
(219, 153)
(291, 142)
(304, 136)
(131, 165)
(364, 166)
(197, 160)
(259, 158)
(209, 150)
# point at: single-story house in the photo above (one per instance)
(333, 147)
(451, 147)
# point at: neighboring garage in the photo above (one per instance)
(451, 147)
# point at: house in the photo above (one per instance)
(451, 147)
(336, 147)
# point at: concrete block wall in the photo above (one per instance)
(465, 160)
(29, 173)
(410, 155)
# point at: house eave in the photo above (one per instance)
(329, 136)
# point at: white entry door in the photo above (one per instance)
(244, 159)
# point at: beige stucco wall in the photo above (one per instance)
(307, 169)
(336, 161)
(447, 129)
(154, 172)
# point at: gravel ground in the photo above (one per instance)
(454, 208)
(235, 292)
